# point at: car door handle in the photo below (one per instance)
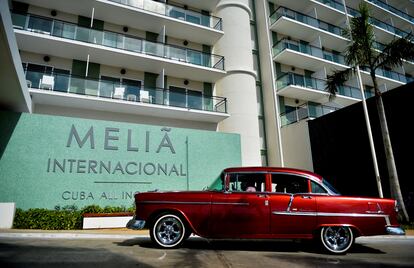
(262, 195)
(306, 197)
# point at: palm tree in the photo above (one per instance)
(363, 51)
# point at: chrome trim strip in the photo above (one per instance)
(176, 202)
(290, 202)
(330, 214)
(294, 213)
(196, 203)
(225, 203)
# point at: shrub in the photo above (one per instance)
(61, 218)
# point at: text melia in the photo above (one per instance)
(112, 141)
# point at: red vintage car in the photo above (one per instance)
(265, 202)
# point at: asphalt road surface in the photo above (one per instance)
(199, 252)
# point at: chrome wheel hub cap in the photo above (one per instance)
(337, 238)
(169, 230)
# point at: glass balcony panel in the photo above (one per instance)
(110, 39)
(333, 4)
(129, 90)
(61, 81)
(154, 49)
(177, 97)
(19, 20)
(175, 12)
(40, 25)
(282, 11)
(96, 37)
(133, 44)
(34, 78)
(107, 87)
(193, 17)
(63, 30)
(392, 9)
(176, 53)
(156, 7)
(82, 34)
(77, 85)
(195, 100)
(120, 41)
(134, 3)
(91, 87)
(194, 57)
(302, 112)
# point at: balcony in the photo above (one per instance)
(305, 111)
(174, 12)
(307, 57)
(297, 86)
(392, 9)
(146, 15)
(99, 94)
(390, 78)
(58, 38)
(304, 27)
(384, 32)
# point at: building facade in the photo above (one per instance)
(301, 42)
(255, 68)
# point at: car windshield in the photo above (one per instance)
(330, 187)
(217, 184)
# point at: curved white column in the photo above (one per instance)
(239, 85)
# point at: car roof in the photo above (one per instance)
(274, 169)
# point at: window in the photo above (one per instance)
(35, 73)
(182, 97)
(317, 189)
(292, 184)
(247, 182)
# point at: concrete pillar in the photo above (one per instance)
(239, 85)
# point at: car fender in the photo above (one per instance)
(357, 231)
(179, 213)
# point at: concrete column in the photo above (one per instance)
(239, 85)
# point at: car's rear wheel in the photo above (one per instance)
(337, 239)
(168, 231)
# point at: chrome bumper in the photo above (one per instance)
(135, 224)
(394, 230)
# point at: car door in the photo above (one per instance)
(293, 208)
(237, 212)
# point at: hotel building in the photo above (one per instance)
(251, 67)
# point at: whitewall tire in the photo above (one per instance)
(168, 231)
(337, 239)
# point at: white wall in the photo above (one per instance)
(296, 140)
(239, 85)
(120, 117)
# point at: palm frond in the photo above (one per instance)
(360, 51)
(395, 52)
(336, 80)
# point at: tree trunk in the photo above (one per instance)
(389, 154)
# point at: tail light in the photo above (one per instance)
(396, 206)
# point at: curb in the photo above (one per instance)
(70, 236)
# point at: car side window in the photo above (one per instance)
(247, 182)
(317, 189)
(291, 184)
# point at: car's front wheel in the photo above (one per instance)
(168, 231)
(337, 239)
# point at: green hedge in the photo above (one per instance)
(61, 218)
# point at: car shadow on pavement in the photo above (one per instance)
(54, 255)
(248, 245)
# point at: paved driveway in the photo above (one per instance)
(119, 251)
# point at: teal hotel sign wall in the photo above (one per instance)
(47, 161)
